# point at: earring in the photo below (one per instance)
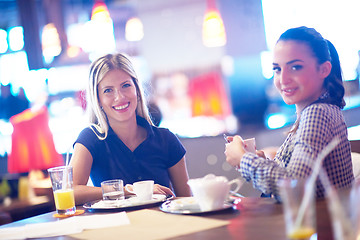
(102, 109)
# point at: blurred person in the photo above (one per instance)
(8, 102)
(22, 103)
(307, 73)
(122, 142)
(155, 113)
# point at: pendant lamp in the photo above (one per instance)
(213, 32)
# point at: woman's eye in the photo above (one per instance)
(107, 90)
(276, 69)
(297, 67)
(126, 85)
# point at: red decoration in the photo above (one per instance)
(208, 96)
(32, 142)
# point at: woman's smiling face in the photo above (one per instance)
(297, 75)
(118, 96)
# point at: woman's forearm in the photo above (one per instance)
(85, 194)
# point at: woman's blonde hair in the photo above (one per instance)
(98, 69)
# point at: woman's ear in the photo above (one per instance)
(325, 69)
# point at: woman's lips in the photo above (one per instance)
(289, 91)
(121, 107)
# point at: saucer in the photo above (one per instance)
(130, 203)
(188, 205)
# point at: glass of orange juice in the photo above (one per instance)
(300, 222)
(62, 185)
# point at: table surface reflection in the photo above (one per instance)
(254, 218)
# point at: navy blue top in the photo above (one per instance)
(112, 159)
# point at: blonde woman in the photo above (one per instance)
(122, 142)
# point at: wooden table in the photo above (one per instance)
(255, 218)
(21, 209)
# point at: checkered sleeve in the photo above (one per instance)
(319, 124)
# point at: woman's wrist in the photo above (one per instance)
(237, 167)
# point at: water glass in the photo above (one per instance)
(113, 190)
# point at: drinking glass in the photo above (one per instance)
(62, 185)
(113, 190)
(344, 211)
(299, 214)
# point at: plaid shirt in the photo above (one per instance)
(319, 124)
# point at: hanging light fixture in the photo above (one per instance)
(134, 30)
(100, 12)
(51, 44)
(101, 31)
(213, 32)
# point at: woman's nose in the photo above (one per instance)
(284, 77)
(118, 94)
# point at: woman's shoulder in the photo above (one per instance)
(321, 109)
(162, 131)
(321, 114)
(89, 133)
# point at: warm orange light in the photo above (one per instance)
(134, 30)
(213, 32)
(100, 12)
(51, 44)
(73, 51)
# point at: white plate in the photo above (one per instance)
(127, 204)
(188, 205)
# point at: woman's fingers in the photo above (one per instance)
(158, 189)
(260, 153)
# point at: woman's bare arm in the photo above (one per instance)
(179, 177)
(81, 161)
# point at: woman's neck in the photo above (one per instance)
(130, 133)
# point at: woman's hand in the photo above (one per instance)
(260, 154)
(158, 189)
(234, 150)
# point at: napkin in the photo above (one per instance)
(152, 224)
(128, 202)
(67, 226)
(187, 203)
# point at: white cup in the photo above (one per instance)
(250, 145)
(143, 190)
(211, 191)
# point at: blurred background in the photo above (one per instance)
(205, 65)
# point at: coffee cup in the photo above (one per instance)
(143, 189)
(211, 191)
(250, 145)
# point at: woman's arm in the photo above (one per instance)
(179, 177)
(81, 161)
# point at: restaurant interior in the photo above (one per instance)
(205, 65)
